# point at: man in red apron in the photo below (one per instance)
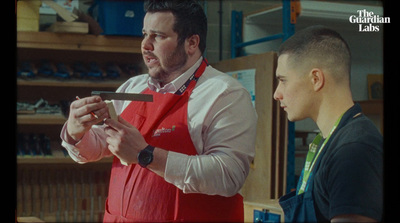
(187, 153)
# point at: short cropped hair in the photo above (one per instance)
(190, 18)
(320, 46)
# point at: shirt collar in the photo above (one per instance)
(174, 85)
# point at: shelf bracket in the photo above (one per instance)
(288, 30)
(236, 32)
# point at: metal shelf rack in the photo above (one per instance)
(288, 29)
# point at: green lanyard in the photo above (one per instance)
(312, 158)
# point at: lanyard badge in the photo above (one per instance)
(195, 76)
(312, 155)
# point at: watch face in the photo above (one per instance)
(145, 157)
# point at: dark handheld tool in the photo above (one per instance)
(109, 95)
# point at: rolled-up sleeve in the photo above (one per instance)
(90, 148)
(228, 147)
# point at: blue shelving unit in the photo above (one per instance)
(288, 29)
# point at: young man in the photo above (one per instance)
(342, 177)
(188, 152)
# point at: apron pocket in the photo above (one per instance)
(137, 120)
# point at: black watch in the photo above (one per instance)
(145, 157)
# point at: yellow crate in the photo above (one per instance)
(28, 15)
(24, 24)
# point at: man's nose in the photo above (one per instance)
(277, 94)
(146, 44)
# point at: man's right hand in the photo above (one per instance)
(80, 120)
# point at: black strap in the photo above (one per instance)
(194, 77)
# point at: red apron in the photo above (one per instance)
(137, 194)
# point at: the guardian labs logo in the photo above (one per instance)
(368, 21)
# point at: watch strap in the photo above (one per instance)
(149, 148)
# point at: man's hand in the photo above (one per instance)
(124, 140)
(80, 120)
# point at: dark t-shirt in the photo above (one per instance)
(349, 179)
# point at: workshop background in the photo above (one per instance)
(64, 52)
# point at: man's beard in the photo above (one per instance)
(174, 62)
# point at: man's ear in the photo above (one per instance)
(317, 79)
(192, 44)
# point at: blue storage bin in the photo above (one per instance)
(120, 17)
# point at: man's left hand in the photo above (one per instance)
(124, 140)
